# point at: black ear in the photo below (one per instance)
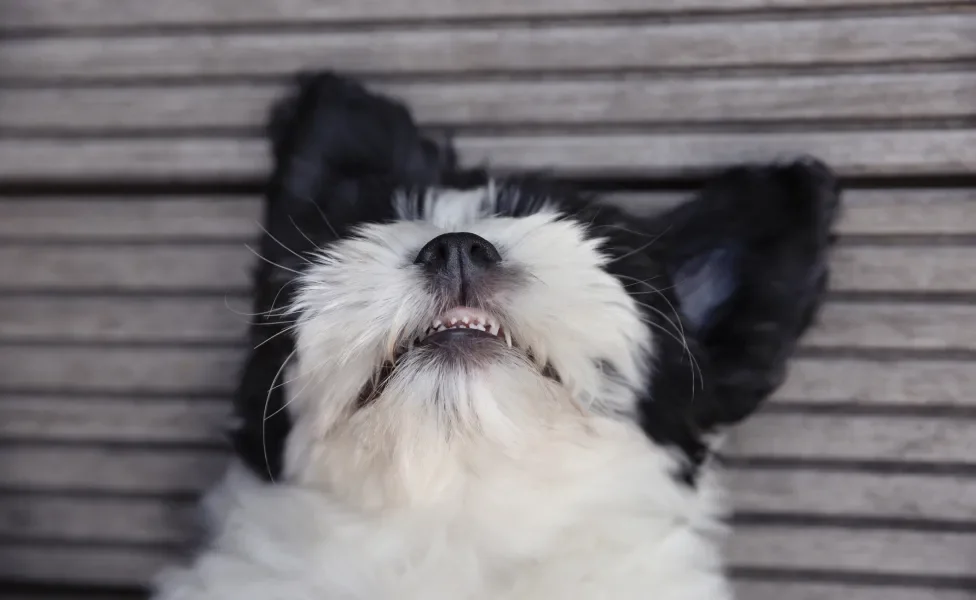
(339, 153)
(748, 261)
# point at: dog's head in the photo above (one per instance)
(477, 313)
(437, 310)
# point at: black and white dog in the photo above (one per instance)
(469, 387)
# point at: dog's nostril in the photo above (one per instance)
(458, 253)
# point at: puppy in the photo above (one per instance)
(476, 387)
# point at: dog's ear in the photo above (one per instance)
(747, 258)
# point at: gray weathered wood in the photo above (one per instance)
(144, 218)
(157, 370)
(55, 564)
(882, 552)
(908, 152)
(103, 13)
(915, 325)
(465, 48)
(880, 495)
(225, 267)
(108, 469)
(458, 103)
(839, 550)
(861, 437)
(219, 268)
(865, 381)
(97, 519)
(92, 419)
(923, 269)
(139, 319)
(791, 590)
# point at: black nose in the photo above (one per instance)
(458, 257)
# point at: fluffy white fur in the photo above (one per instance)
(464, 479)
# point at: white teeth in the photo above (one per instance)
(452, 322)
(441, 328)
(493, 330)
(436, 325)
(508, 338)
(466, 321)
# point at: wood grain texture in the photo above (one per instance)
(840, 550)
(224, 268)
(854, 437)
(792, 590)
(916, 325)
(170, 218)
(219, 268)
(906, 382)
(517, 47)
(105, 13)
(94, 419)
(881, 552)
(136, 370)
(799, 491)
(160, 320)
(55, 469)
(63, 319)
(672, 100)
(892, 152)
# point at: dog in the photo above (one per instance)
(468, 385)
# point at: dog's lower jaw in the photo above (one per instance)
(590, 509)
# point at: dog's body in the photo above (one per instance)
(500, 389)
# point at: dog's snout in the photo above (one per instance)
(457, 260)
(458, 254)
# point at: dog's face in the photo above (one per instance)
(470, 313)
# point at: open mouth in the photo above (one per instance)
(459, 323)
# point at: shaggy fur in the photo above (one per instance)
(562, 452)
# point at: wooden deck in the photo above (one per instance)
(131, 161)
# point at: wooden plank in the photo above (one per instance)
(97, 519)
(218, 268)
(144, 219)
(139, 319)
(110, 469)
(521, 47)
(459, 103)
(838, 550)
(922, 269)
(908, 152)
(106, 13)
(792, 590)
(136, 370)
(914, 325)
(800, 491)
(909, 212)
(854, 437)
(866, 381)
(224, 268)
(100, 566)
(93, 419)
